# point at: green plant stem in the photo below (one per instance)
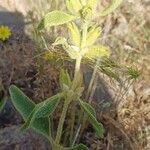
(61, 121)
(72, 122)
(83, 116)
(77, 67)
(82, 47)
(84, 34)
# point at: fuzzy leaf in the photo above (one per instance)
(83, 2)
(25, 107)
(92, 3)
(64, 79)
(73, 52)
(55, 18)
(77, 147)
(97, 51)
(42, 126)
(2, 103)
(90, 112)
(114, 4)
(41, 110)
(75, 33)
(22, 103)
(93, 33)
(73, 5)
(78, 82)
(47, 107)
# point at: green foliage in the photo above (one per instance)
(75, 33)
(42, 126)
(92, 4)
(97, 51)
(73, 5)
(93, 33)
(64, 80)
(25, 107)
(22, 103)
(72, 51)
(42, 110)
(83, 34)
(2, 103)
(55, 18)
(90, 112)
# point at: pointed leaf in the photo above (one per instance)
(92, 4)
(42, 126)
(90, 112)
(64, 79)
(55, 18)
(73, 52)
(22, 103)
(77, 147)
(73, 5)
(47, 107)
(83, 2)
(2, 103)
(75, 33)
(97, 51)
(114, 4)
(93, 33)
(25, 106)
(43, 109)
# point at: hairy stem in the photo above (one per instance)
(61, 121)
(72, 122)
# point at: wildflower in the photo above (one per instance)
(48, 56)
(5, 32)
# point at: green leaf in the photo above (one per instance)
(114, 4)
(72, 51)
(42, 110)
(97, 51)
(2, 103)
(47, 107)
(83, 2)
(75, 33)
(90, 112)
(73, 5)
(42, 126)
(78, 82)
(25, 107)
(92, 4)
(22, 103)
(64, 79)
(55, 18)
(93, 33)
(77, 147)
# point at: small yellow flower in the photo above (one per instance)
(48, 56)
(5, 32)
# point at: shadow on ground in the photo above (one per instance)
(15, 64)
